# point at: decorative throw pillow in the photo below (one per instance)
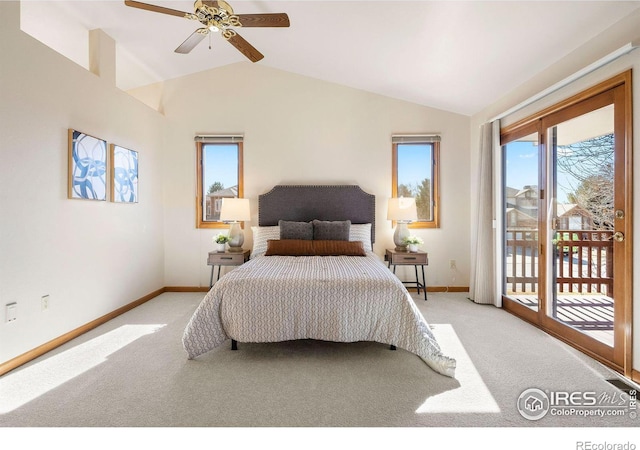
(361, 232)
(260, 237)
(337, 230)
(295, 230)
(338, 248)
(289, 247)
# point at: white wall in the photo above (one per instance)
(299, 130)
(93, 257)
(627, 30)
(90, 257)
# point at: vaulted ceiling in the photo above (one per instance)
(459, 56)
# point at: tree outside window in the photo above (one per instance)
(588, 168)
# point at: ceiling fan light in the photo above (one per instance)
(213, 28)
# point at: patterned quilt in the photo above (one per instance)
(330, 298)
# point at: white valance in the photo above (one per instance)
(414, 138)
(219, 138)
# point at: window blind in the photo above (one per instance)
(219, 139)
(414, 138)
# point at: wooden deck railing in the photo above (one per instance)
(584, 261)
(521, 269)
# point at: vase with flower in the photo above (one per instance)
(412, 243)
(221, 242)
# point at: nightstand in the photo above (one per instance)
(226, 259)
(416, 259)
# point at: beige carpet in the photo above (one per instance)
(132, 372)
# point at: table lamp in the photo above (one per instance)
(235, 210)
(403, 210)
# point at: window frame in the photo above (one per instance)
(200, 194)
(435, 164)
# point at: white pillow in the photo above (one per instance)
(361, 232)
(260, 237)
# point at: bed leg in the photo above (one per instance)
(234, 344)
(392, 347)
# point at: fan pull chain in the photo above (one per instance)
(209, 41)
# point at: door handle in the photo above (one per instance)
(618, 236)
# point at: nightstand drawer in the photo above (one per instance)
(409, 258)
(227, 258)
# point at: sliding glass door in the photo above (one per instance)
(566, 212)
(582, 166)
(521, 266)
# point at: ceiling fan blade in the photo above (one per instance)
(264, 20)
(191, 41)
(245, 48)
(154, 8)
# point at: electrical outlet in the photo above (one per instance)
(452, 264)
(45, 302)
(11, 312)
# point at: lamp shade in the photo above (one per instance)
(235, 210)
(402, 209)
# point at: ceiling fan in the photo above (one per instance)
(218, 16)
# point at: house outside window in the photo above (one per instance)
(219, 175)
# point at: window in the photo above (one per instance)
(415, 174)
(219, 173)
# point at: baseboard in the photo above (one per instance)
(47, 347)
(186, 289)
(429, 289)
(635, 375)
(442, 289)
(450, 289)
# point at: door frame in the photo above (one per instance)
(620, 356)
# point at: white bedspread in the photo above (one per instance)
(331, 298)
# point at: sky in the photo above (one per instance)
(414, 163)
(521, 164)
(522, 169)
(220, 164)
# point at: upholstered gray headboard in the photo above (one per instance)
(303, 203)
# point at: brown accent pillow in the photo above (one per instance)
(289, 247)
(339, 248)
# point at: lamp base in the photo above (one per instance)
(400, 234)
(236, 238)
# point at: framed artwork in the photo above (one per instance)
(87, 167)
(124, 175)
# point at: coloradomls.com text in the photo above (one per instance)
(588, 445)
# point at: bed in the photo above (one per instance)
(298, 285)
